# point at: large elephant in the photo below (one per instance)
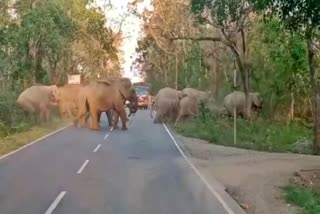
(38, 99)
(133, 107)
(67, 98)
(102, 96)
(166, 103)
(238, 99)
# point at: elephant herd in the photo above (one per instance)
(170, 103)
(75, 101)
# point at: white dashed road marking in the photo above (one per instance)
(83, 166)
(55, 202)
(107, 135)
(97, 148)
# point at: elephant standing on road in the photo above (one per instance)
(67, 98)
(166, 103)
(238, 99)
(38, 99)
(102, 96)
(133, 107)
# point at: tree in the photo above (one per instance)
(45, 31)
(302, 17)
(231, 21)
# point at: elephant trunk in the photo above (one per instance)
(133, 106)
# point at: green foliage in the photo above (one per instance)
(298, 16)
(45, 31)
(49, 39)
(261, 135)
(49, 29)
(306, 198)
(12, 117)
(280, 65)
(194, 73)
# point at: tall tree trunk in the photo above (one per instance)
(315, 98)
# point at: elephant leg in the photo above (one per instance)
(123, 117)
(178, 119)
(115, 120)
(83, 121)
(98, 116)
(109, 117)
(94, 119)
(47, 115)
(159, 117)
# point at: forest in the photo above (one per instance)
(252, 46)
(41, 42)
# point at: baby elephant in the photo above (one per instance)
(188, 107)
(238, 99)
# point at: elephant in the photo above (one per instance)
(188, 106)
(201, 96)
(39, 99)
(217, 109)
(102, 96)
(238, 99)
(67, 98)
(133, 107)
(166, 103)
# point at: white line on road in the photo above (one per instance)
(107, 135)
(83, 166)
(55, 203)
(33, 142)
(212, 190)
(97, 148)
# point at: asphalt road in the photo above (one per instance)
(79, 171)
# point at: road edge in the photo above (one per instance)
(216, 188)
(33, 142)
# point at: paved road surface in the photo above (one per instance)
(139, 171)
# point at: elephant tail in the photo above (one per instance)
(83, 108)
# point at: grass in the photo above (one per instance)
(17, 140)
(306, 198)
(259, 135)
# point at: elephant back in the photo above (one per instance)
(168, 93)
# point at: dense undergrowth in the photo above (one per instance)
(306, 198)
(262, 134)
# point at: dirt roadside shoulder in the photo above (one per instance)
(254, 179)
